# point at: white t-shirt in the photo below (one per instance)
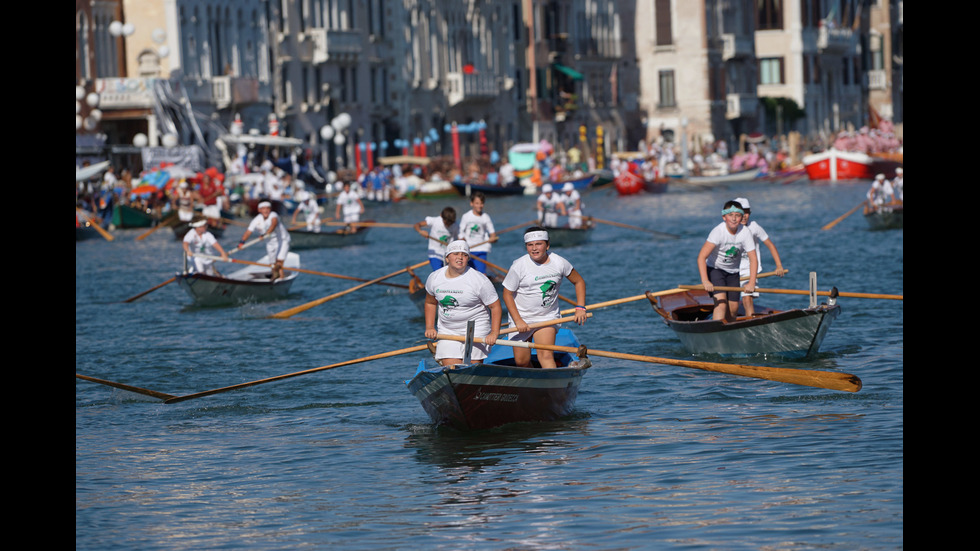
(260, 225)
(461, 299)
(200, 244)
(535, 286)
(348, 201)
(759, 235)
(729, 248)
(476, 229)
(438, 230)
(571, 199)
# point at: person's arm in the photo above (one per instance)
(512, 310)
(775, 256)
(496, 314)
(220, 249)
(431, 309)
(706, 250)
(245, 236)
(273, 224)
(753, 270)
(576, 279)
(418, 227)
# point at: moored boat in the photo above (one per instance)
(580, 183)
(795, 333)
(834, 164)
(465, 188)
(124, 216)
(249, 284)
(887, 217)
(495, 392)
(302, 239)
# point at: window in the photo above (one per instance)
(770, 14)
(661, 14)
(771, 70)
(666, 79)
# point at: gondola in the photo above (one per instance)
(887, 217)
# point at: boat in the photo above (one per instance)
(249, 284)
(887, 217)
(301, 239)
(494, 392)
(465, 188)
(628, 183)
(570, 237)
(834, 164)
(125, 216)
(580, 182)
(791, 334)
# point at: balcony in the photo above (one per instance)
(229, 90)
(125, 93)
(464, 88)
(877, 80)
(321, 45)
(741, 105)
(735, 46)
(835, 40)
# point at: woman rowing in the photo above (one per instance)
(456, 294)
(531, 295)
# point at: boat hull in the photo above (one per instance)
(569, 237)
(304, 239)
(628, 183)
(847, 165)
(886, 218)
(793, 334)
(466, 189)
(124, 216)
(492, 394)
(251, 284)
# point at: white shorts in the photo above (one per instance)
(455, 349)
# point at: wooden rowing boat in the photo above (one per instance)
(249, 284)
(125, 216)
(570, 237)
(785, 333)
(495, 392)
(887, 217)
(301, 239)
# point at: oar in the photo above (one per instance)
(843, 216)
(805, 377)
(802, 292)
(304, 307)
(108, 236)
(173, 279)
(175, 399)
(165, 222)
(300, 270)
(621, 225)
(153, 393)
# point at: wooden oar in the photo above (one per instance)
(173, 279)
(175, 399)
(843, 216)
(300, 270)
(621, 225)
(108, 236)
(802, 292)
(304, 307)
(805, 377)
(165, 222)
(138, 390)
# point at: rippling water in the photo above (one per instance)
(654, 456)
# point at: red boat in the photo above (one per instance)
(628, 183)
(834, 164)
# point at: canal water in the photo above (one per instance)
(653, 457)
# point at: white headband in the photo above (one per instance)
(539, 235)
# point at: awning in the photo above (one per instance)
(572, 73)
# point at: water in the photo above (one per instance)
(654, 457)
